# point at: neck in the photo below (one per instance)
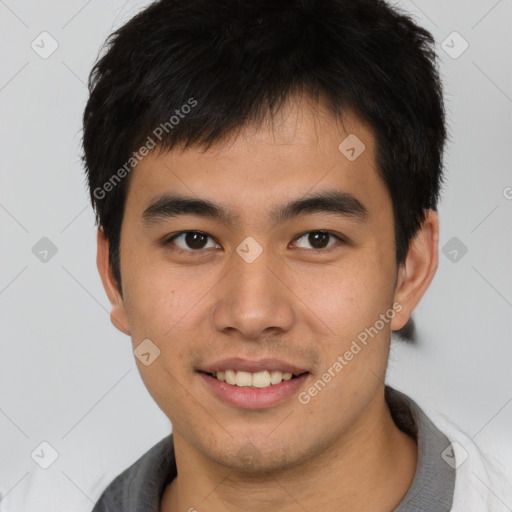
(371, 467)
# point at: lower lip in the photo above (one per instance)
(253, 398)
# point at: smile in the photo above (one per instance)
(260, 380)
(260, 390)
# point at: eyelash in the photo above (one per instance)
(170, 241)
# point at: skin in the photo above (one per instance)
(339, 452)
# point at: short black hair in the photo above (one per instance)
(190, 72)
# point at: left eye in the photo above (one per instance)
(195, 241)
(318, 239)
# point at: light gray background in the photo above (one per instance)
(68, 377)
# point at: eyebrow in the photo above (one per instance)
(339, 203)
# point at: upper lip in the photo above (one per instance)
(252, 366)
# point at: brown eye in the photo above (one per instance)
(318, 239)
(191, 240)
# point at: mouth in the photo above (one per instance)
(253, 385)
(259, 380)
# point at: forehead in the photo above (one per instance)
(304, 149)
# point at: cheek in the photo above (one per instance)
(350, 298)
(159, 295)
(348, 295)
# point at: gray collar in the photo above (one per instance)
(434, 481)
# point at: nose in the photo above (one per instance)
(253, 300)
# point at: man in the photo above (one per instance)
(265, 177)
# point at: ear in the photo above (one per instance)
(118, 315)
(417, 272)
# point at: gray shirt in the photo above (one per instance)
(140, 487)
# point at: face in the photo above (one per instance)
(262, 288)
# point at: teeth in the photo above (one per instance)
(243, 379)
(261, 379)
(276, 377)
(230, 376)
(258, 380)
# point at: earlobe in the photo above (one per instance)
(418, 270)
(118, 314)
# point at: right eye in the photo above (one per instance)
(191, 241)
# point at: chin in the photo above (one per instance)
(255, 458)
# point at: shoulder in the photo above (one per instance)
(140, 486)
(479, 484)
(447, 454)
